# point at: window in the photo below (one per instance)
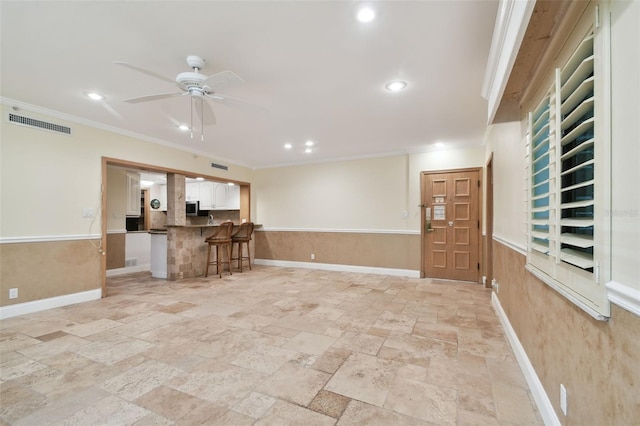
(567, 155)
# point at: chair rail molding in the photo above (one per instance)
(624, 296)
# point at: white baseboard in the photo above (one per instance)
(49, 303)
(540, 396)
(128, 270)
(340, 268)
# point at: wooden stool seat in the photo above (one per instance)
(220, 239)
(242, 237)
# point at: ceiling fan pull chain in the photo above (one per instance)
(202, 119)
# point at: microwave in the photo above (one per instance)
(192, 208)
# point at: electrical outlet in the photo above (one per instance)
(563, 399)
(13, 293)
(495, 286)
(313, 256)
(88, 212)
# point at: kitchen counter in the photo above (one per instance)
(158, 253)
(185, 252)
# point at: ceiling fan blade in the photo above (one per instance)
(221, 80)
(147, 72)
(112, 111)
(204, 111)
(153, 97)
(236, 103)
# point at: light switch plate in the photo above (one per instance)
(88, 212)
(563, 399)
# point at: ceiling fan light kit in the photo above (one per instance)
(195, 85)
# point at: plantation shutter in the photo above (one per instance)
(541, 157)
(577, 160)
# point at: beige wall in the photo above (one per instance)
(625, 134)
(116, 198)
(505, 143)
(48, 269)
(46, 180)
(394, 251)
(596, 361)
(359, 194)
(369, 206)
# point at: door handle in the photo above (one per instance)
(427, 217)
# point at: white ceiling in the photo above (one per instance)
(318, 72)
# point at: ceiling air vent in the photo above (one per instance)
(43, 125)
(219, 166)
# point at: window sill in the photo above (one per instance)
(624, 296)
(564, 292)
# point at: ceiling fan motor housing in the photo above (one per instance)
(190, 79)
(195, 61)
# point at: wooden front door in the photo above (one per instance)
(451, 225)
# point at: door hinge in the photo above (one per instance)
(478, 184)
(597, 16)
(478, 266)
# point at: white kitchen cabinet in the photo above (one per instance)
(133, 194)
(233, 202)
(220, 196)
(206, 196)
(192, 191)
(159, 192)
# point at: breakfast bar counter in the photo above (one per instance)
(186, 250)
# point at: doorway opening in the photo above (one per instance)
(145, 200)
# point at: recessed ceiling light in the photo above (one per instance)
(288, 146)
(395, 86)
(366, 14)
(95, 96)
(439, 144)
(308, 150)
(230, 183)
(183, 127)
(308, 143)
(199, 178)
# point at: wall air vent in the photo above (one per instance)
(43, 125)
(219, 166)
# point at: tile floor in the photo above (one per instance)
(272, 346)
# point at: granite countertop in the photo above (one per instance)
(157, 231)
(205, 225)
(196, 226)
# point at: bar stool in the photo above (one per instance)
(242, 236)
(221, 238)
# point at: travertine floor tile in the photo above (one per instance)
(435, 404)
(139, 380)
(309, 343)
(110, 410)
(285, 413)
(329, 403)
(360, 413)
(272, 346)
(169, 403)
(264, 358)
(293, 383)
(365, 378)
(254, 405)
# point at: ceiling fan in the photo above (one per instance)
(195, 85)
